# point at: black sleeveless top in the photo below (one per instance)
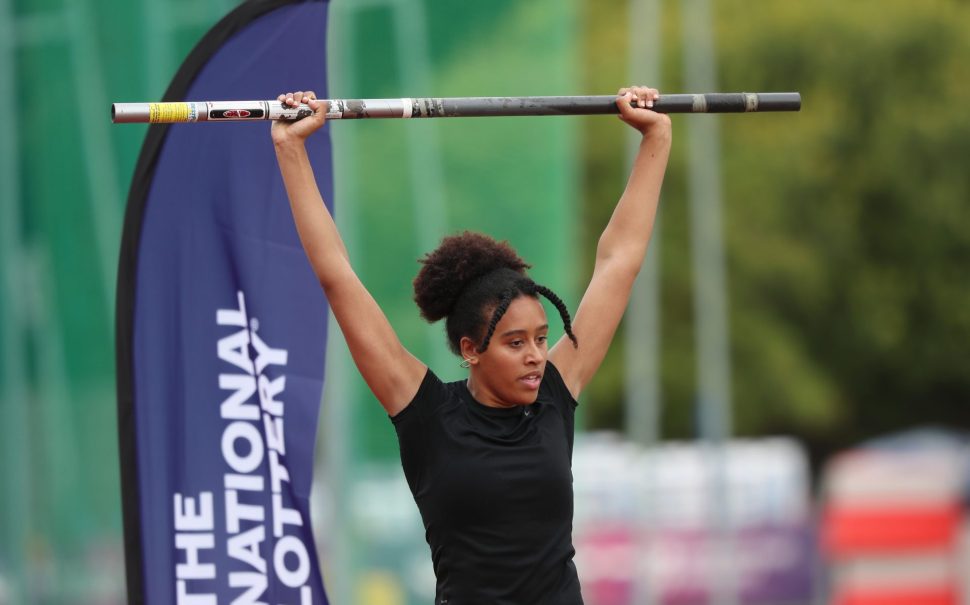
(494, 488)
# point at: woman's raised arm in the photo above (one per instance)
(391, 372)
(622, 245)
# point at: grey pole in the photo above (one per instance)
(642, 325)
(710, 292)
(642, 394)
(335, 412)
(105, 197)
(424, 161)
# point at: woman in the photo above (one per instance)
(488, 458)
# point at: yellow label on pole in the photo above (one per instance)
(168, 113)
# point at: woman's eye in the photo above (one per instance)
(516, 343)
(542, 339)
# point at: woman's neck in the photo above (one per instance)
(482, 396)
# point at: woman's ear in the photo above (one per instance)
(469, 350)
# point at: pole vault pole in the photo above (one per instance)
(453, 107)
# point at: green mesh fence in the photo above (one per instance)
(64, 172)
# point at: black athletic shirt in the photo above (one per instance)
(494, 487)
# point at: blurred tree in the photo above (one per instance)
(847, 257)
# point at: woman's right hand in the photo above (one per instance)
(285, 131)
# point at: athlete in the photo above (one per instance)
(488, 459)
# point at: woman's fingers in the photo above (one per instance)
(636, 104)
(293, 99)
(639, 96)
(284, 130)
(310, 98)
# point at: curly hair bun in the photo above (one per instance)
(456, 263)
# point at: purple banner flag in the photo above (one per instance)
(221, 334)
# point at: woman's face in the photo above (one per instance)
(509, 372)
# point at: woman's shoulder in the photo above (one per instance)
(555, 386)
(431, 395)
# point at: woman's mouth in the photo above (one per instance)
(532, 380)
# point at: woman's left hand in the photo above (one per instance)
(636, 109)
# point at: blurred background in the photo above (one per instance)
(783, 418)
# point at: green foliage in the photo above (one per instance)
(848, 254)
